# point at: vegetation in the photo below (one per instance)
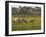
(26, 11)
(26, 18)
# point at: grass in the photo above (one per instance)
(35, 25)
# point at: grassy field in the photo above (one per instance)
(35, 25)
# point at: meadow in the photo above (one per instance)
(34, 25)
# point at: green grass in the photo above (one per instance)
(35, 25)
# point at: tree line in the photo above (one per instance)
(26, 10)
